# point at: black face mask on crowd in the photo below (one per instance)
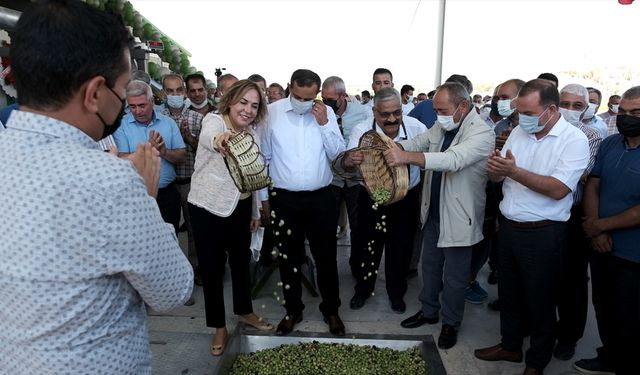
(629, 126)
(333, 103)
(111, 128)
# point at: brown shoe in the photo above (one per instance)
(496, 353)
(336, 327)
(531, 371)
(287, 323)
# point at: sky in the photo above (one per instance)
(489, 41)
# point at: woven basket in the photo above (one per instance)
(245, 163)
(375, 171)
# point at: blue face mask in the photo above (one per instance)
(531, 124)
(299, 106)
(175, 101)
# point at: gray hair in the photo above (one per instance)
(172, 75)
(384, 94)
(336, 82)
(632, 93)
(457, 92)
(139, 88)
(576, 89)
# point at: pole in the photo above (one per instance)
(441, 17)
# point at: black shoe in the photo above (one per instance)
(357, 301)
(418, 320)
(593, 366)
(564, 351)
(336, 326)
(448, 337)
(398, 306)
(495, 305)
(493, 278)
(287, 323)
(190, 302)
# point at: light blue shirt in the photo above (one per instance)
(83, 248)
(131, 133)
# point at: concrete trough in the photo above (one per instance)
(246, 341)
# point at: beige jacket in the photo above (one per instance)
(462, 193)
(212, 187)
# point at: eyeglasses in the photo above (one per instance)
(386, 115)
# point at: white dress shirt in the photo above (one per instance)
(298, 149)
(411, 129)
(562, 154)
(406, 108)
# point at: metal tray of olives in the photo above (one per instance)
(247, 341)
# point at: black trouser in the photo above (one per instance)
(394, 235)
(602, 286)
(573, 299)
(216, 239)
(310, 214)
(492, 210)
(350, 196)
(530, 264)
(626, 307)
(169, 204)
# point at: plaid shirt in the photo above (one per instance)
(194, 120)
(594, 138)
(610, 121)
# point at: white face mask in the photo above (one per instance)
(614, 108)
(504, 107)
(175, 101)
(573, 117)
(201, 105)
(299, 106)
(591, 111)
(479, 105)
(447, 123)
(410, 99)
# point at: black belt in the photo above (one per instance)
(167, 187)
(530, 224)
(183, 181)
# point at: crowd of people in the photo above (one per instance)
(530, 179)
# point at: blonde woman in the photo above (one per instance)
(222, 217)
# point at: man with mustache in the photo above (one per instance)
(390, 227)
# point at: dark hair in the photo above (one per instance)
(463, 80)
(366, 93)
(549, 77)
(235, 93)
(58, 45)
(405, 89)
(257, 78)
(431, 93)
(383, 71)
(305, 78)
(615, 96)
(593, 89)
(547, 90)
(278, 86)
(195, 77)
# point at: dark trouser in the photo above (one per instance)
(169, 204)
(216, 239)
(183, 188)
(602, 286)
(397, 243)
(446, 270)
(530, 264)
(310, 214)
(573, 298)
(626, 307)
(350, 196)
(494, 197)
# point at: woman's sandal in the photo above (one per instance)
(217, 350)
(260, 325)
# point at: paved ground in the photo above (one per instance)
(180, 339)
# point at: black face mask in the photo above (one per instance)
(333, 103)
(111, 128)
(629, 126)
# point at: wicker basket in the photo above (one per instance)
(245, 163)
(375, 171)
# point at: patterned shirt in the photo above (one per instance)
(610, 120)
(83, 249)
(595, 139)
(194, 121)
